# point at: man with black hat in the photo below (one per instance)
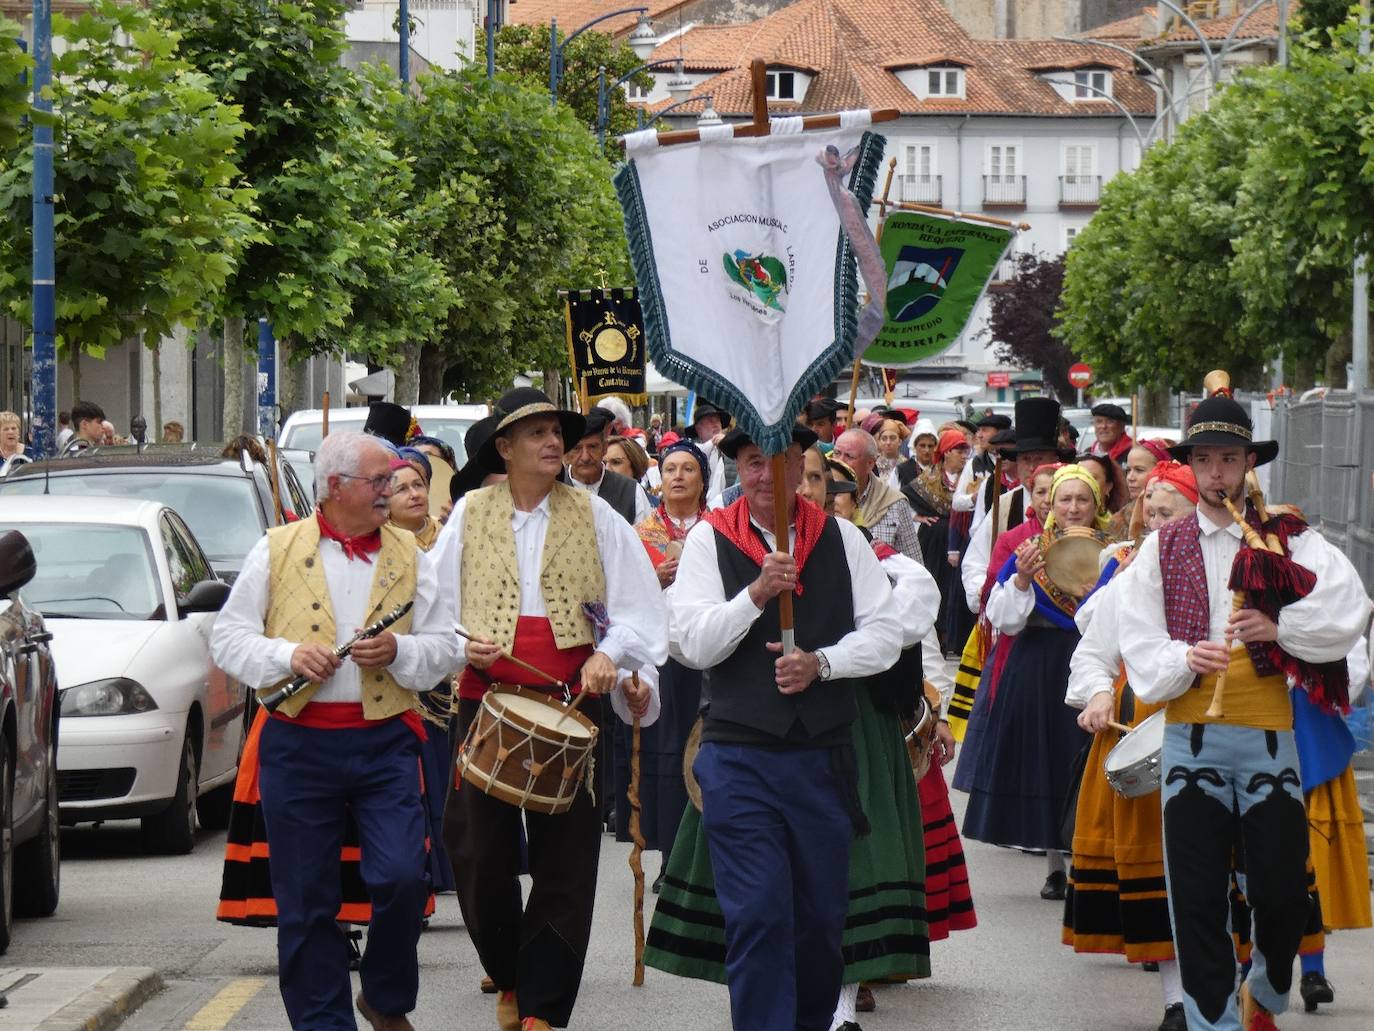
(388, 421)
(553, 576)
(982, 462)
(1109, 429)
(822, 416)
(776, 772)
(1230, 767)
(709, 423)
(1037, 443)
(587, 470)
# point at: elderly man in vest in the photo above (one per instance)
(776, 767)
(350, 742)
(553, 576)
(587, 470)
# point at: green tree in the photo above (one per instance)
(523, 206)
(1023, 319)
(151, 217)
(14, 88)
(523, 51)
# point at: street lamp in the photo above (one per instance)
(642, 42)
(708, 116)
(679, 88)
(713, 119)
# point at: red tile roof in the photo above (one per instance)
(1127, 30)
(854, 49)
(1263, 24)
(573, 14)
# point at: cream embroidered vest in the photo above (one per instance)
(298, 607)
(490, 576)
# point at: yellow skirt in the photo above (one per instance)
(1336, 831)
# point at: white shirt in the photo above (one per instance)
(637, 637)
(933, 667)
(1322, 627)
(915, 596)
(1096, 660)
(425, 656)
(643, 507)
(973, 571)
(706, 626)
(715, 462)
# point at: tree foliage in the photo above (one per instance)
(1233, 243)
(14, 88)
(151, 216)
(1023, 320)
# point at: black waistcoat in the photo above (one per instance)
(745, 704)
(619, 492)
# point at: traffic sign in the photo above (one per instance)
(999, 380)
(1080, 375)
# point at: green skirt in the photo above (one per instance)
(885, 933)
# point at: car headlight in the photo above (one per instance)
(118, 696)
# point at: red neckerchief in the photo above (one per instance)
(674, 534)
(353, 547)
(883, 550)
(734, 525)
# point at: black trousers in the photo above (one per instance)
(537, 948)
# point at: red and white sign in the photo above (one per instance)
(999, 380)
(1080, 375)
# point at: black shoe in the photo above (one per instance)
(1174, 1019)
(1315, 989)
(849, 1025)
(1055, 886)
(355, 953)
(1150, 967)
(658, 881)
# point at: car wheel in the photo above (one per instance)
(38, 862)
(172, 832)
(6, 845)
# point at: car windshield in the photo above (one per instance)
(222, 511)
(88, 571)
(306, 435)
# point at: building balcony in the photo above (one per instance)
(1004, 191)
(1080, 191)
(1003, 274)
(921, 189)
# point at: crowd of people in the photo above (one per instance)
(770, 707)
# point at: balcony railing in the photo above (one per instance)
(1080, 191)
(1005, 272)
(1004, 191)
(921, 189)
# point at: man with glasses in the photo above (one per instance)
(351, 741)
(885, 511)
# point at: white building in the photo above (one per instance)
(442, 31)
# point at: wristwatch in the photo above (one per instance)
(822, 665)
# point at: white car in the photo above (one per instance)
(148, 726)
(304, 429)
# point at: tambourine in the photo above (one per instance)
(1071, 560)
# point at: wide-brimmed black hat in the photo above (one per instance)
(522, 403)
(1000, 422)
(1220, 421)
(731, 443)
(1107, 410)
(824, 408)
(1037, 426)
(388, 421)
(705, 408)
(474, 470)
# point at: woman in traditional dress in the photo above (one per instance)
(1143, 456)
(662, 790)
(1022, 772)
(934, 494)
(1111, 481)
(1116, 900)
(890, 435)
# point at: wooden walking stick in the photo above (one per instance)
(636, 851)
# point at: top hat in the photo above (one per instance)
(1221, 421)
(388, 421)
(474, 471)
(522, 403)
(1037, 425)
(734, 440)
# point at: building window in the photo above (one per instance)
(1079, 162)
(920, 160)
(781, 86)
(634, 92)
(944, 82)
(1092, 85)
(1071, 234)
(1002, 162)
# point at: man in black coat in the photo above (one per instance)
(586, 462)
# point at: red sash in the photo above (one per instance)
(534, 644)
(348, 716)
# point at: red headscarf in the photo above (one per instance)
(1157, 446)
(1178, 476)
(949, 440)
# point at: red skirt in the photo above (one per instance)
(949, 900)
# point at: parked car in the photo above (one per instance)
(304, 430)
(30, 838)
(149, 727)
(228, 503)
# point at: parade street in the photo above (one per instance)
(123, 908)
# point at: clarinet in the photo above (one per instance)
(272, 701)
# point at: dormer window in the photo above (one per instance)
(780, 85)
(944, 82)
(1092, 85)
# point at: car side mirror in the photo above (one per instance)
(17, 564)
(204, 596)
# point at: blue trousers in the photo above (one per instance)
(778, 834)
(1232, 795)
(310, 779)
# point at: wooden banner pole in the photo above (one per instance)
(324, 417)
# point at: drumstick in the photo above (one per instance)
(636, 852)
(518, 662)
(1120, 728)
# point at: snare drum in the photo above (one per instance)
(1132, 767)
(527, 748)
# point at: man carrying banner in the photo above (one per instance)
(776, 769)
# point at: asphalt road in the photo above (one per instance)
(120, 907)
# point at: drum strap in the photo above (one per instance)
(1127, 705)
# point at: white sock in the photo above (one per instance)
(844, 1009)
(1055, 859)
(1171, 981)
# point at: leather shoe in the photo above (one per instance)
(1174, 1018)
(1315, 989)
(1055, 886)
(380, 1021)
(658, 881)
(507, 1012)
(487, 986)
(864, 1001)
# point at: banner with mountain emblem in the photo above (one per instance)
(741, 251)
(937, 271)
(606, 343)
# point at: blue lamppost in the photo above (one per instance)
(642, 42)
(679, 87)
(403, 31)
(44, 376)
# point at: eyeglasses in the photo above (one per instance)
(377, 483)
